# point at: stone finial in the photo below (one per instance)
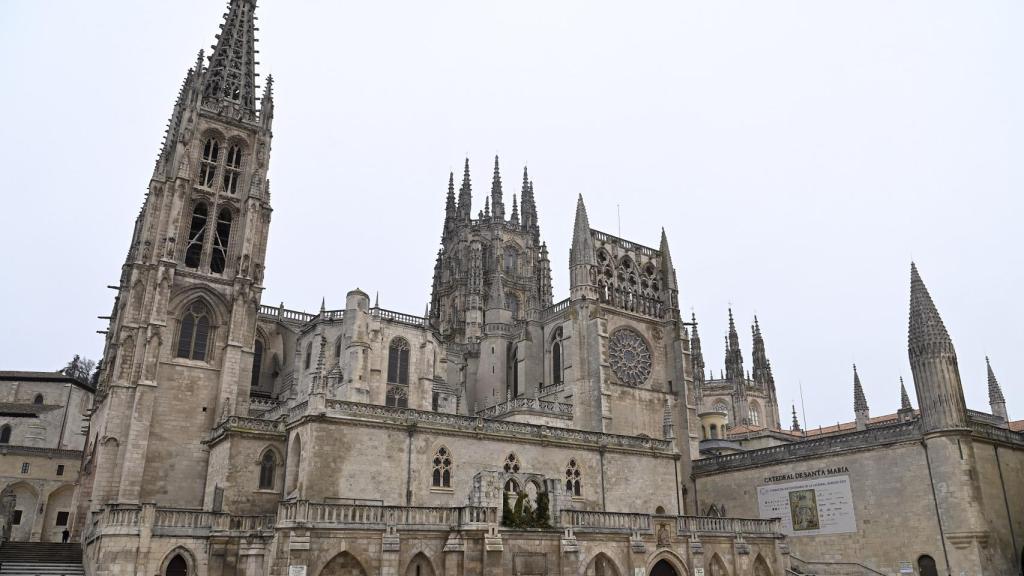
(904, 397)
(464, 207)
(696, 355)
(796, 421)
(582, 251)
(995, 394)
(860, 402)
(667, 270)
(497, 204)
(515, 210)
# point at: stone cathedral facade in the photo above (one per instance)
(500, 432)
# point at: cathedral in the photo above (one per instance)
(498, 432)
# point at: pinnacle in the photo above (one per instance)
(926, 333)
(860, 402)
(796, 422)
(995, 393)
(904, 397)
(582, 251)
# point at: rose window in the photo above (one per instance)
(630, 357)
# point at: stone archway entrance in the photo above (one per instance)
(344, 564)
(663, 568)
(926, 566)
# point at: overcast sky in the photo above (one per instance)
(798, 153)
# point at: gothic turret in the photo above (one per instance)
(860, 402)
(906, 411)
(940, 395)
(450, 208)
(762, 368)
(497, 204)
(582, 257)
(995, 394)
(230, 83)
(530, 223)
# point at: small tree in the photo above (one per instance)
(79, 368)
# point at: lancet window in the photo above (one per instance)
(268, 466)
(233, 169)
(573, 478)
(398, 361)
(257, 364)
(556, 357)
(196, 235)
(220, 241)
(194, 332)
(208, 166)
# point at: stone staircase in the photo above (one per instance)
(802, 567)
(40, 559)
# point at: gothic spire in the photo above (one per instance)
(582, 251)
(904, 397)
(487, 207)
(796, 421)
(940, 395)
(733, 354)
(696, 355)
(515, 210)
(927, 334)
(497, 205)
(995, 393)
(762, 368)
(529, 205)
(668, 272)
(465, 195)
(231, 77)
(267, 103)
(534, 219)
(450, 210)
(860, 402)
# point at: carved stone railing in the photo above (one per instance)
(399, 317)
(713, 525)
(298, 409)
(129, 519)
(624, 244)
(281, 313)
(594, 521)
(341, 408)
(173, 518)
(41, 451)
(260, 406)
(528, 405)
(997, 433)
(325, 515)
(900, 432)
(555, 309)
(332, 315)
(248, 424)
(985, 418)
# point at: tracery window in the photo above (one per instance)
(397, 396)
(721, 407)
(194, 333)
(196, 235)
(442, 477)
(398, 361)
(573, 483)
(512, 463)
(208, 167)
(257, 364)
(220, 241)
(755, 416)
(629, 356)
(511, 260)
(268, 466)
(233, 169)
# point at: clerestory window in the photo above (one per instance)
(194, 332)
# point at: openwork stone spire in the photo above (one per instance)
(450, 209)
(696, 355)
(733, 354)
(465, 195)
(231, 78)
(515, 210)
(497, 204)
(940, 395)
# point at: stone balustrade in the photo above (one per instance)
(528, 405)
(555, 309)
(595, 521)
(714, 525)
(329, 515)
(131, 519)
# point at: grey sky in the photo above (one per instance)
(798, 154)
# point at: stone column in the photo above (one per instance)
(454, 554)
(390, 546)
(570, 553)
(146, 518)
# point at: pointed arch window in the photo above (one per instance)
(257, 364)
(5, 434)
(556, 357)
(398, 361)
(194, 333)
(309, 356)
(38, 400)
(233, 169)
(511, 260)
(442, 477)
(218, 258)
(573, 479)
(268, 466)
(337, 350)
(196, 235)
(208, 166)
(755, 415)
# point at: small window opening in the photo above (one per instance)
(194, 333)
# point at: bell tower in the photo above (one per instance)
(179, 348)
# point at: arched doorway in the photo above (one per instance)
(926, 566)
(419, 566)
(344, 564)
(663, 568)
(177, 566)
(23, 512)
(58, 514)
(761, 567)
(601, 565)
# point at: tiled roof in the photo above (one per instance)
(28, 376)
(1017, 426)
